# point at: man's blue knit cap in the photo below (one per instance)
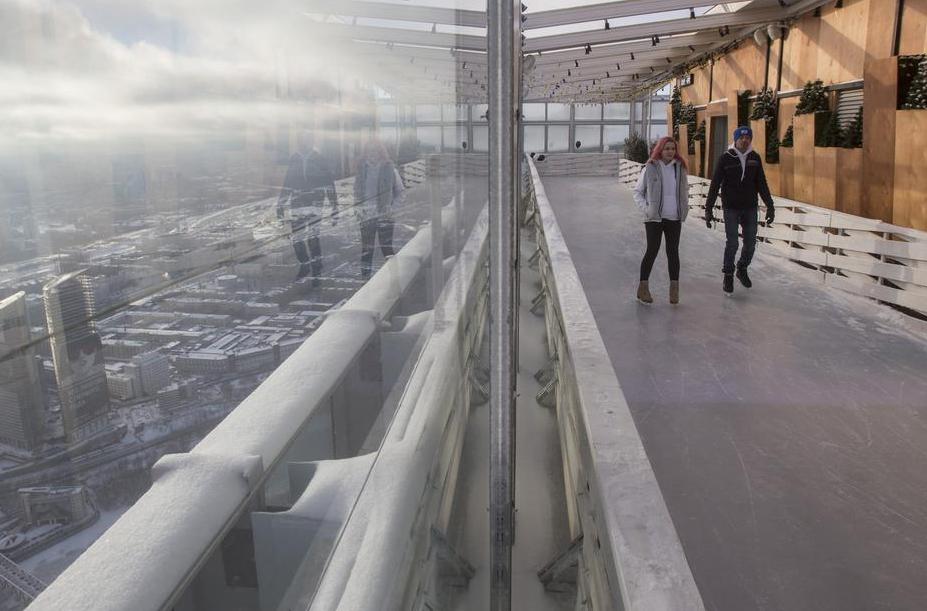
(743, 131)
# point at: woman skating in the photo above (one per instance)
(662, 194)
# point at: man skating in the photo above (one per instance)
(740, 177)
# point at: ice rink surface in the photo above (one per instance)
(787, 424)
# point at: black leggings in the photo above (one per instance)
(655, 232)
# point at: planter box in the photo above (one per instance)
(850, 181)
(803, 171)
(787, 173)
(910, 184)
(825, 177)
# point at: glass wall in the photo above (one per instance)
(230, 227)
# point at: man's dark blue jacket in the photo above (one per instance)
(739, 186)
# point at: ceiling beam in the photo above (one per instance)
(403, 36)
(697, 40)
(647, 30)
(608, 10)
(398, 12)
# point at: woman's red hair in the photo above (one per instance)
(657, 153)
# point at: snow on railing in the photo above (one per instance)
(631, 556)
(178, 529)
(856, 254)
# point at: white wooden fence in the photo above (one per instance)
(856, 254)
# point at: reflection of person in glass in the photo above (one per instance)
(308, 182)
(377, 186)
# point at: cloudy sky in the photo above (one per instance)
(82, 71)
(92, 69)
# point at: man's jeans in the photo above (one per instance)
(734, 220)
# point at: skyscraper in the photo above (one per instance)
(78, 355)
(21, 412)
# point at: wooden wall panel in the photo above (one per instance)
(697, 93)
(804, 158)
(881, 94)
(774, 62)
(914, 28)
(772, 178)
(715, 109)
(759, 138)
(786, 114)
(849, 181)
(801, 53)
(880, 30)
(910, 185)
(683, 139)
(841, 45)
(825, 177)
(787, 173)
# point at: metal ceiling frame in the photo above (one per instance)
(684, 42)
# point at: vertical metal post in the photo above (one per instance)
(504, 51)
(434, 177)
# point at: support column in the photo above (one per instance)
(504, 54)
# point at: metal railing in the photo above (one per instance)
(629, 553)
(864, 256)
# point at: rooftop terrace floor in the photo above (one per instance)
(787, 424)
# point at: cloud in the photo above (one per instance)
(233, 63)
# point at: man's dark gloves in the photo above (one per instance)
(709, 218)
(770, 215)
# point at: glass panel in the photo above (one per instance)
(455, 113)
(558, 112)
(558, 138)
(534, 139)
(386, 113)
(480, 139)
(428, 112)
(614, 137)
(618, 111)
(429, 139)
(658, 130)
(533, 112)
(658, 111)
(589, 138)
(479, 112)
(245, 188)
(587, 112)
(455, 138)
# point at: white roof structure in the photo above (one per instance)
(610, 51)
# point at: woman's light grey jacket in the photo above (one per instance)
(648, 194)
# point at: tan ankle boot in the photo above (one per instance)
(674, 291)
(643, 292)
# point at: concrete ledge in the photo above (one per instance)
(645, 564)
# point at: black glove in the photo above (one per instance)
(709, 218)
(770, 215)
